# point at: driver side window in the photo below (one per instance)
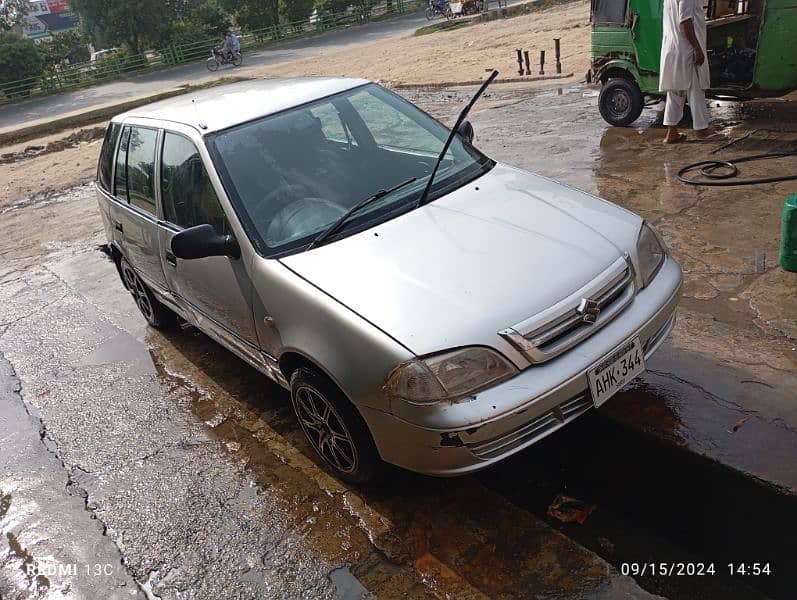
(188, 195)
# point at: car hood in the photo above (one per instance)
(473, 262)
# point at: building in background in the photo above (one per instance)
(46, 17)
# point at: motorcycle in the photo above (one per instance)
(441, 8)
(472, 7)
(219, 58)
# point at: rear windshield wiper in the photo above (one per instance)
(336, 226)
(425, 196)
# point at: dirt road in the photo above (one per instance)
(466, 54)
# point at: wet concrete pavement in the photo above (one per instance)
(193, 463)
(56, 556)
(198, 483)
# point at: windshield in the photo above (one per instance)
(293, 174)
(609, 11)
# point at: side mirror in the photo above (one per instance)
(465, 131)
(202, 241)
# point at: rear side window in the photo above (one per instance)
(120, 179)
(141, 167)
(188, 195)
(135, 167)
(106, 156)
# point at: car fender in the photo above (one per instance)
(295, 318)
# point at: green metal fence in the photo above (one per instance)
(115, 67)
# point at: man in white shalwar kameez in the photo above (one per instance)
(684, 71)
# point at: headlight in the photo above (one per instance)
(650, 251)
(448, 376)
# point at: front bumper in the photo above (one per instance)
(455, 439)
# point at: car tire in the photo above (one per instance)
(620, 102)
(156, 314)
(334, 427)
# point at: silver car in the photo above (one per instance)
(439, 324)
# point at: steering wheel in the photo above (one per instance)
(301, 217)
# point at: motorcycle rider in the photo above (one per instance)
(225, 48)
(235, 43)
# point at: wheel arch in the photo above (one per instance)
(617, 68)
(292, 360)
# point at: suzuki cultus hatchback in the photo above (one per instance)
(425, 305)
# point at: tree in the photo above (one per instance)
(297, 10)
(117, 22)
(11, 13)
(19, 59)
(70, 46)
(254, 14)
(211, 19)
(333, 6)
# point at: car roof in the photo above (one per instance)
(217, 108)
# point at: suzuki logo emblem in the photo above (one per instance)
(589, 310)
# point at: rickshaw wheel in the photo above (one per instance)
(620, 102)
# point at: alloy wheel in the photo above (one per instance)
(139, 292)
(325, 429)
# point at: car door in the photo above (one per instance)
(217, 290)
(133, 213)
(646, 30)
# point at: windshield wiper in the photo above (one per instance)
(425, 196)
(336, 226)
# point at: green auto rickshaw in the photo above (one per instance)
(752, 51)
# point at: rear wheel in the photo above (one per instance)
(237, 59)
(620, 102)
(333, 427)
(212, 64)
(156, 314)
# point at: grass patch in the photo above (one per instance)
(444, 26)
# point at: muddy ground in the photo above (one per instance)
(179, 471)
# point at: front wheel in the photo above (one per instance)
(620, 102)
(212, 64)
(237, 59)
(334, 428)
(429, 14)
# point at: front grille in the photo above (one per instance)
(533, 430)
(564, 325)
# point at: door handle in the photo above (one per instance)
(118, 226)
(171, 259)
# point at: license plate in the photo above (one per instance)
(611, 374)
